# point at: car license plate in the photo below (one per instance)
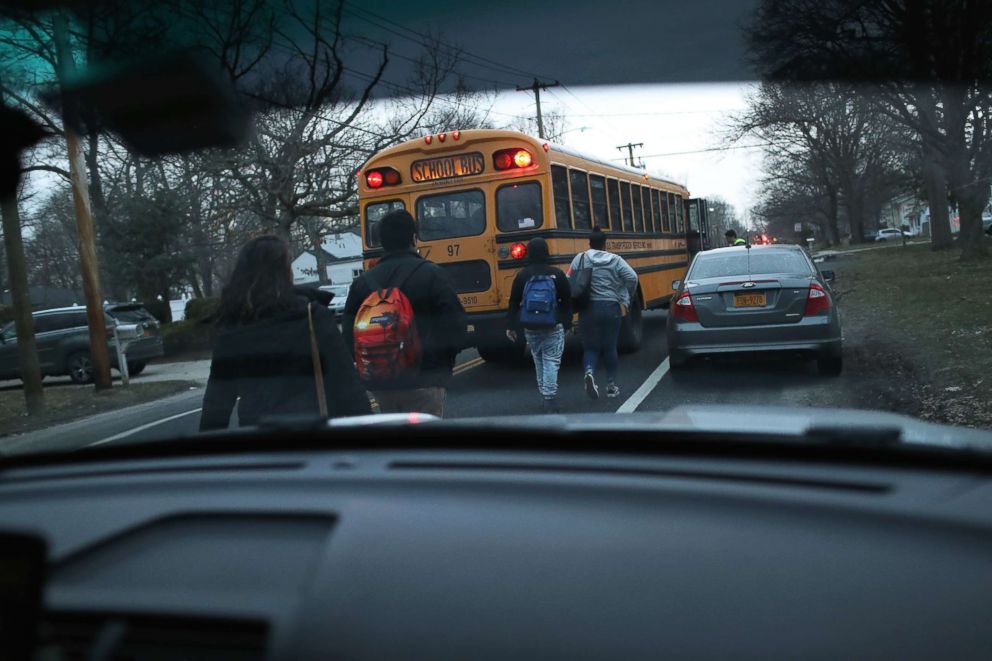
(749, 300)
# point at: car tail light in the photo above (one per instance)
(684, 308)
(382, 177)
(518, 251)
(817, 301)
(508, 159)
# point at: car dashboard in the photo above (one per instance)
(453, 552)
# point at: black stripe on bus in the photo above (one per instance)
(580, 234)
(567, 259)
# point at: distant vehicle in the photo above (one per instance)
(891, 233)
(340, 297)
(63, 340)
(764, 298)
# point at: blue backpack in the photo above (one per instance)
(539, 305)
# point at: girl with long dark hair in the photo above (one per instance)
(278, 352)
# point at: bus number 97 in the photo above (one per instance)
(453, 250)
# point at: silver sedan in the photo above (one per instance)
(755, 299)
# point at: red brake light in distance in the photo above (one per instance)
(374, 179)
(518, 251)
(684, 309)
(817, 301)
(508, 159)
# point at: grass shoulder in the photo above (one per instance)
(66, 403)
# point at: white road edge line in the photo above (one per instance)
(642, 393)
(129, 432)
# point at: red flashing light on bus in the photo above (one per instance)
(518, 250)
(382, 177)
(508, 159)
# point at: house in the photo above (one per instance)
(343, 252)
(43, 298)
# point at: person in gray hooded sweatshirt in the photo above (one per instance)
(613, 286)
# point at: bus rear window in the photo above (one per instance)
(448, 215)
(518, 207)
(374, 213)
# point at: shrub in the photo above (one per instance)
(187, 336)
(200, 308)
(6, 314)
(159, 309)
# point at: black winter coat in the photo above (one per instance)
(561, 288)
(268, 365)
(440, 317)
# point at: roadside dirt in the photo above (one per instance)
(918, 333)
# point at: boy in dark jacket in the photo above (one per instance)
(440, 318)
(546, 342)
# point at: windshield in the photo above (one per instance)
(747, 263)
(521, 212)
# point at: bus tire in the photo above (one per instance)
(632, 329)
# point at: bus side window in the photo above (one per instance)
(656, 205)
(613, 188)
(648, 209)
(635, 198)
(628, 214)
(597, 189)
(679, 214)
(580, 199)
(671, 212)
(666, 225)
(559, 186)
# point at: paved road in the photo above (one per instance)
(481, 389)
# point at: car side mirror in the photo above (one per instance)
(828, 276)
(676, 284)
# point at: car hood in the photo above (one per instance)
(844, 426)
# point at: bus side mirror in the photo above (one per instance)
(676, 284)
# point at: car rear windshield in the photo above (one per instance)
(131, 315)
(734, 264)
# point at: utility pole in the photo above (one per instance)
(99, 355)
(536, 88)
(630, 151)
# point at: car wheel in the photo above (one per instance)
(830, 364)
(631, 330)
(135, 368)
(79, 366)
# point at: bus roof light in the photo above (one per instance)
(392, 177)
(502, 160)
(546, 146)
(441, 136)
(523, 159)
(428, 139)
(456, 134)
(374, 179)
(518, 250)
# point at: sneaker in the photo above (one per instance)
(591, 388)
(612, 390)
(551, 405)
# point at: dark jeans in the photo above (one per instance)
(599, 327)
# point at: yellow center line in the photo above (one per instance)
(464, 367)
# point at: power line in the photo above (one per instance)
(700, 151)
(630, 150)
(536, 88)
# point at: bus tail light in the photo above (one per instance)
(508, 159)
(382, 177)
(518, 250)
(684, 309)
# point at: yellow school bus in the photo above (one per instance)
(479, 196)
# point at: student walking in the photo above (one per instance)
(540, 307)
(610, 289)
(279, 352)
(405, 324)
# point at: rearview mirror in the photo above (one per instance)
(676, 284)
(829, 276)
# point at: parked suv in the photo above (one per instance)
(63, 340)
